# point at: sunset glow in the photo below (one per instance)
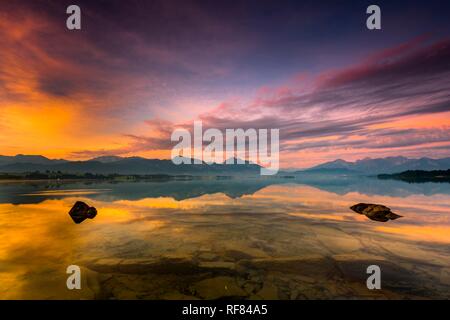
(117, 88)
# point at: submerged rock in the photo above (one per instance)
(81, 211)
(218, 287)
(376, 212)
(268, 292)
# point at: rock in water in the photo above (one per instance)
(81, 211)
(375, 212)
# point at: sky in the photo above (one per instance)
(139, 69)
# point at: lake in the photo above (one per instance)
(227, 238)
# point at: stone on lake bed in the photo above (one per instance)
(220, 265)
(81, 211)
(268, 292)
(219, 287)
(376, 212)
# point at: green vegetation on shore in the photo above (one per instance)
(58, 175)
(419, 176)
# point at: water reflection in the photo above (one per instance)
(36, 192)
(192, 239)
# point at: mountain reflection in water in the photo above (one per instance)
(209, 239)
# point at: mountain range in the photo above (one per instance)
(383, 165)
(138, 165)
(120, 165)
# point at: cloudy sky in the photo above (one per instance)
(139, 69)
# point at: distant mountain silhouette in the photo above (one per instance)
(32, 159)
(107, 159)
(143, 166)
(119, 165)
(384, 165)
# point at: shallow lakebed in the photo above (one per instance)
(224, 239)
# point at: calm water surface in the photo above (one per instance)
(211, 239)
